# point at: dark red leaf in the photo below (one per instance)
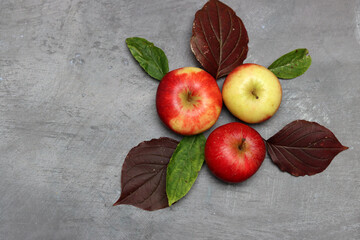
(303, 148)
(219, 38)
(143, 175)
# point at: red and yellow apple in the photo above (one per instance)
(188, 100)
(234, 152)
(252, 93)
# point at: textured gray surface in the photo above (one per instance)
(73, 102)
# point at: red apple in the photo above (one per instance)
(188, 100)
(234, 152)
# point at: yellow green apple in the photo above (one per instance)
(252, 93)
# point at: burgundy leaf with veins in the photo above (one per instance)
(219, 40)
(303, 148)
(143, 175)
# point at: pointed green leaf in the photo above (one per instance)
(151, 58)
(184, 166)
(292, 64)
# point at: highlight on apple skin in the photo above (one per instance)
(234, 152)
(188, 100)
(252, 93)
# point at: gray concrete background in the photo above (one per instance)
(73, 102)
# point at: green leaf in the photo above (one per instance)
(184, 166)
(151, 58)
(292, 64)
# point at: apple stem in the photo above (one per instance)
(241, 144)
(189, 96)
(253, 92)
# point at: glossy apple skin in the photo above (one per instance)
(188, 100)
(252, 93)
(234, 152)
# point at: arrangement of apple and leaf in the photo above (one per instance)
(159, 172)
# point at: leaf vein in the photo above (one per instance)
(207, 41)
